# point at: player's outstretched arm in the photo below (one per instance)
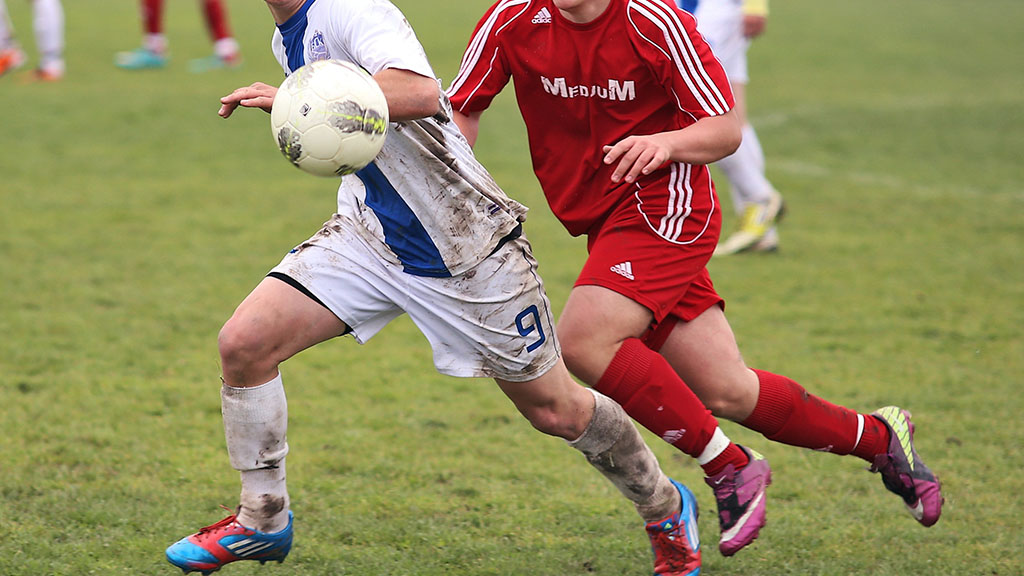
(708, 140)
(410, 96)
(255, 95)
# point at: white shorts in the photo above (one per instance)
(721, 24)
(493, 321)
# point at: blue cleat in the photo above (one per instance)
(228, 541)
(140, 59)
(215, 62)
(674, 540)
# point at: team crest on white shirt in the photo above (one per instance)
(318, 47)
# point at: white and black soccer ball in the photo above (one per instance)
(329, 118)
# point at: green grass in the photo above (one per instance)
(133, 220)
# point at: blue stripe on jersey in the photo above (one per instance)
(688, 5)
(292, 32)
(403, 232)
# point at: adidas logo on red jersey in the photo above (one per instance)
(542, 16)
(625, 270)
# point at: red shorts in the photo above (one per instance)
(627, 255)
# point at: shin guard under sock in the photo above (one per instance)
(256, 427)
(613, 446)
(651, 392)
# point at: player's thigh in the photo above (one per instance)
(339, 272)
(492, 321)
(704, 353)
(593, 325)
(594, 313)
(277, 320)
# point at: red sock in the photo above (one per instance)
(786, 413)
(216, 19)
(153, 16)
(651, 392)
(874, 440)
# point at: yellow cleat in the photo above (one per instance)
(756, 231)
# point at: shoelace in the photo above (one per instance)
(665, 541)
(208, 531)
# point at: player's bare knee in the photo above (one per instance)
(238, 348)
(550, 421)
(577, 350)
(542, 418)
(588, 358)
(721, 404)
(573, 355)
(733, 402)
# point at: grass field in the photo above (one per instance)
(133, 220)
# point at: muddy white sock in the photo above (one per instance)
(613, 445)
(255, 427)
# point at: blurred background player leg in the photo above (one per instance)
(757, 203)
(154, 50)
(225, 48)
(11, 55)
(48, 25)
(755, 200)
(729, 28)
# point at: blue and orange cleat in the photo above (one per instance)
(674, 540)
(228, 541)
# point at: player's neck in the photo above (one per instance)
(581, 11)
(282, 10)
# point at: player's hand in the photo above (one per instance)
(753, 25)
(636, 156)
(256, 95)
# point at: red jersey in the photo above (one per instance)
(639, 68)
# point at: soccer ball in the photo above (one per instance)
(329, 118)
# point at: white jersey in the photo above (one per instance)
(425, 202)
(721, 24)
